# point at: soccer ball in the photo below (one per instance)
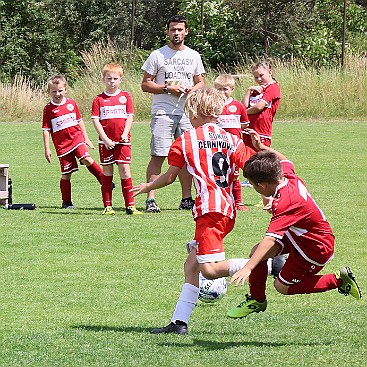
(211, 290)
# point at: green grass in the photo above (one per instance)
(80, 289)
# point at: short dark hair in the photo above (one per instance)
(177, 19)
(264, 166)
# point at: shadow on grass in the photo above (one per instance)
(104, 328)
(214, 345)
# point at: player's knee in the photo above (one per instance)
(280, 287)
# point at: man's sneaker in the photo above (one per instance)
(151, 206)
(178, 328)
(131, 210)
(246, 184)
(241, 207)
(108, 210)
(186, 204)
(349, 286)
(68, 205)
(246, 307)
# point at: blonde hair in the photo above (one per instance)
(224, 80)
(56, 79)
(112, 68)
(205, 102)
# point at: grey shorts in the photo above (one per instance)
(165, 129)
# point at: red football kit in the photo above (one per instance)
(62, 121)
(112, 112)
(234, 112)
(211, 155)
(300, 226)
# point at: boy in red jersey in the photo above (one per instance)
(63, 121)
(298, 227)
(233, 119)
(211, 155)
(112, 115)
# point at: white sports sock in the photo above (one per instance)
(186, 303)
(235, 265)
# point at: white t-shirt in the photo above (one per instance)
(172, 67)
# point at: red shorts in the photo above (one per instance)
(68, 162)
(120, 154)
(211, 228)
(248, 142)
(296, 267)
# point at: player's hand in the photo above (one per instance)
(124, 138)
(109, 144)
(256, 88)
(48, 155)
(255, 138)
(89, 143)
(240, 276)
(140, 189)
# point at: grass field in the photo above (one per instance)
(80, 289)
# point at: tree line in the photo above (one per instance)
(38, 38)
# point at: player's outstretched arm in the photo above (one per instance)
(163, 180)
(256, 141)
(264, 250)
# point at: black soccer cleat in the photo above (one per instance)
(187, 204)
(179, 328)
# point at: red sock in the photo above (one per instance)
(315, 284)
(96, 171)
(106, 189)
(237, 192)
(127, 185)
(257, 281)
(65, 187)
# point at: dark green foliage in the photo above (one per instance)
(38, 38)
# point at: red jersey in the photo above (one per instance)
(211, 155)
(62, 121)
(234, 112)
(112, 111)
(263, 122)
(297, 216)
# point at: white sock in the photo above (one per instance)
(186, 303)
(235, 265)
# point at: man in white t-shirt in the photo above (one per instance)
(170, 73)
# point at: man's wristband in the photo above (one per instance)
(165, 89)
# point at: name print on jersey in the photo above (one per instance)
(109, 112)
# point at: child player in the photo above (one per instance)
(298, 227)
(233, 119)
(112, 115)
(211, 155)
(262, 101)
(63, 121)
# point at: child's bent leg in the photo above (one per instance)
(94, 168)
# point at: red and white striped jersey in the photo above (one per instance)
(62, 121)
(112, 111)
(297, 217)
(211, 155)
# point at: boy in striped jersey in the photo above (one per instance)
(211, 155)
